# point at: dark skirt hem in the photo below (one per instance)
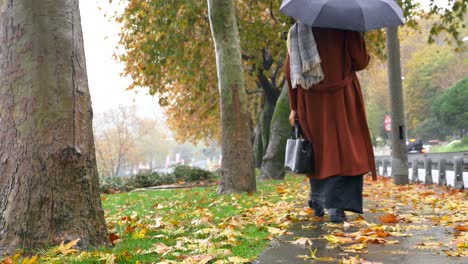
(342, 192)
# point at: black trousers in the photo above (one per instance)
(342, 192)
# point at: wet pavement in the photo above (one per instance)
(283, 251)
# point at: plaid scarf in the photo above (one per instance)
(304, 57)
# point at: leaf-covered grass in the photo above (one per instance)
(193, 224)
(200, 226)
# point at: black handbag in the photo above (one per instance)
(299, 153)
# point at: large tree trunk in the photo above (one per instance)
(237, 172)
(273, 161)
(49, 183)
(399, 154)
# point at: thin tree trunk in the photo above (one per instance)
(399, 154)
(237, 172)
(267, 115)
(273, 161)
(49, 190)
(258, 146)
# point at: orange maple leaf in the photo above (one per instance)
(388, 218)
(462, 228)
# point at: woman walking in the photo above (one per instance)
(326, 99)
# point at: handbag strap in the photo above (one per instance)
(296, 131)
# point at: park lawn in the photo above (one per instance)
(192, 225)
(461, 146)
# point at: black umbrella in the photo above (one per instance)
(357, 15)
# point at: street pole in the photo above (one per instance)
(399, 153)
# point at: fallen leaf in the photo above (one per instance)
(113, 237)
(280, 189)
(338, 240)
(428, 245)
(302, 241)
(108, 259)
(275, 231)
(356, 248)
(236, 259)
(461, 228)
(140, 233)
(66, 249)
(397, 252)
(313, 255)
(28, 260)
(129, 229)
(388, 218)
(198, 259)
(356, 260)
(456, 253)
(382, 233)
(161, 248)
(7, 260)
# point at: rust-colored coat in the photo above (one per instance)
(331, 113)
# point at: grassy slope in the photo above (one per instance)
(462, 146)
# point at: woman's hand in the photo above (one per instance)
(292, 117)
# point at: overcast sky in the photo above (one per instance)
(106, 86)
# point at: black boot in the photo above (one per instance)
(336, 215)
(318, 210)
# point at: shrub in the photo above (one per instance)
(113, 184)
(191, 174)
(147, 179)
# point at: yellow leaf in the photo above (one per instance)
(338, 240)
(356, 248)
(275, 231)
(33, 260)
(108, 259)
(238, 260)
(313, 255)
(66, 249)
(140, 233)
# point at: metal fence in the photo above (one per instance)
(455, 163)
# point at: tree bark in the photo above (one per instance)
(258, 146)
(267, 116)
(49, 190)
(237, 169)
(273, 161)
(270, 98)
(399, 154)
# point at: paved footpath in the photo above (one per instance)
(423, 243)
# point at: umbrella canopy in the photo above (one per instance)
(357, 15)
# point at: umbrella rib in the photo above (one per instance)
(318, 13)
(362, 14)
(393, 10)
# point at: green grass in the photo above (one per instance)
(461, 146)
(192, 222)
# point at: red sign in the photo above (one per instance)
(388, 123)
(388, 120)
